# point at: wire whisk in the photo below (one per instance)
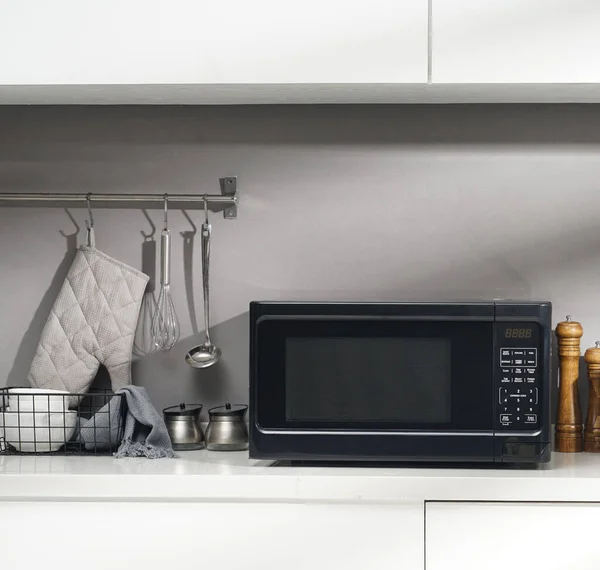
(165, 325)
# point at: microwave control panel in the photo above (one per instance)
(518, 377)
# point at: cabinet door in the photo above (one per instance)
(227, 536)
(519, 536)
(150, 42)
(515, 41)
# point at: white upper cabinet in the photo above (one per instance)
(200, 42)
(314, 51)
(515, 41)
(317, 41)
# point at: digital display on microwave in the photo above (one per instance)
(368, 379)
(518, 333)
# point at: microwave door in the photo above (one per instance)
(400, 376)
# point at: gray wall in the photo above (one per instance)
(338, 202)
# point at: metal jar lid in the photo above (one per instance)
(228, 412)
(182, 411)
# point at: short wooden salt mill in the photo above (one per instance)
(568, 423)
(591, 434)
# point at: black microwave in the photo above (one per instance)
(419, 382)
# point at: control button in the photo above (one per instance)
(530, 379)
(518, 371)
(506, 371)
(518, 353)
(518, 379)
(533, 395)
(505, 380)
(531, 352)
(506, 357)
(530, 362)
(519, 362)
(530, 370)
(531, 419)
(505, 419)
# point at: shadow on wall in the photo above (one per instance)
(26, 351)
(189, 237)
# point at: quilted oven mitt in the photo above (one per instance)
(92, 322)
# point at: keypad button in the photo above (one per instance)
(505, 380)
(502, 393)
(530, 379)
(530, 362)
(531, 419)
(518, 380)
(505, 418)
(518, 353)
(530, 370)
(531, 353)
(533, 395)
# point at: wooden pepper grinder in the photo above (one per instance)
(591, 434)
(568, 423)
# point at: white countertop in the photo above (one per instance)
(205, 475)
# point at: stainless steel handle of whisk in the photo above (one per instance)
(165, 257)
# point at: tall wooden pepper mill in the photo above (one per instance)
(568, 423)
(591, 434)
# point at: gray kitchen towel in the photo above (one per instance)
(92, 322)
(145, 433)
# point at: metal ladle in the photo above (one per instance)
(206, 354)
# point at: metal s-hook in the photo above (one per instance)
(91, 237)
(166, 208)
(90, 223)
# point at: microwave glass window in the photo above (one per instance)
(334, 379)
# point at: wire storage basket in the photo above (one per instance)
(39, 422)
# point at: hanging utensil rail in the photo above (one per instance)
(226, 201)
